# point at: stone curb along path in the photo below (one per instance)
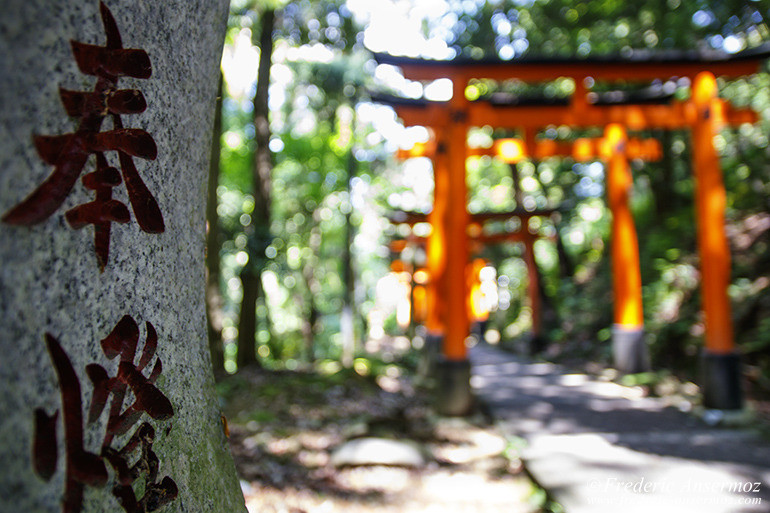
(594, 446)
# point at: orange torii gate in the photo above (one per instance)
(477, 240)
(630, 356)
(421, 275)
(629, 349)
(513, 150)
(704, 113)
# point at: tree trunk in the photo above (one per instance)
(565, 262)
(518, 196)
(214, 300)
(247, 322)
(258, 230)
(348, 307)
(310, 320)
(546, 310)
(310, 326)
(666, 198)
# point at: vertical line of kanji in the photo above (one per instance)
(68, 153)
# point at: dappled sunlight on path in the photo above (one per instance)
(289, 431)
(598, 446)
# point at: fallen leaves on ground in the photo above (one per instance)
(284, 427)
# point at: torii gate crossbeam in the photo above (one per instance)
(703, 114)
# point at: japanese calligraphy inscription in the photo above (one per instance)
(69, 153)
(108, 402)
(130, 397)
(135, 459)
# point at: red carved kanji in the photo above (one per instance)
(69, 153)
(85, 468)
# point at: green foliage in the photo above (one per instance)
(568, 28)
(314, 134)
(316, 129)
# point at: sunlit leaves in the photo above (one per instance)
(562, 27)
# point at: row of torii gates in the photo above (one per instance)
(449, 244)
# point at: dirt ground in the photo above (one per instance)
(284, 427)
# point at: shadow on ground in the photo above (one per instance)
(286, 426)
(593, 443)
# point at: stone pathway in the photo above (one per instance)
(598, 447)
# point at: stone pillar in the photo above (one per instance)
(720, 363)
(105, 124)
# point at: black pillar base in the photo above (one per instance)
(721, 381)
(431, 352)
(537, 344)
(478, 329)
(453, 387)
(629, 350)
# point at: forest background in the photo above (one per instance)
(305, 179)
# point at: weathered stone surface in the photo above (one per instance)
(50, 280)
(378, 451)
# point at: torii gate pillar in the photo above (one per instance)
(629, 348)
(453, 368)
(721, 364)
(436, 246)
